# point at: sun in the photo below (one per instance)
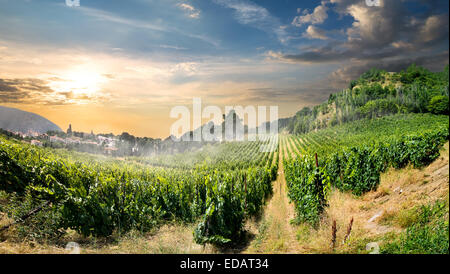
(80, 81)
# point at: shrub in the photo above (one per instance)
(438, 104)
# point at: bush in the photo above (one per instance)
(439, 104)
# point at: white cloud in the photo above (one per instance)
(273, 54)
(172, 47)
(313, 32)
(191, 11)
(187, 68)
(318, 16)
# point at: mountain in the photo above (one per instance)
(13, 119)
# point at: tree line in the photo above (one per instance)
(378, 93)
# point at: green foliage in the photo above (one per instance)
(308, 188)
(223, 220)
(373, 75)
(99, 196)
(429, 235)
(43, 227)
(351, 157)
(378, 108)
(439, 104)
(356, 169)
(378, 93)
(13, 175)
(414, 73)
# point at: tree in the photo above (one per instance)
(378, 108)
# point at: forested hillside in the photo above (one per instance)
(377, 93)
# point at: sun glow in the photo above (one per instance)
(79, 82)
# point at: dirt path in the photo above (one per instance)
(275, 233)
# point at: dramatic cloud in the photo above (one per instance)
(313, 32)
(350, 71)
(388, 36)
(318, 16)
(103, 63)
(309, 94)
(23, 90)
(434, 29)
(37, 91)
(6, 86)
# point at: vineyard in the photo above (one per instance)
(351, 157)
(231, 156)
(99, 196)
(216, 188)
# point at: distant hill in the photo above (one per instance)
(17, 120)
(376, 93)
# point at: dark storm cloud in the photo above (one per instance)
(388, 37)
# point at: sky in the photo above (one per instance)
(121, 66)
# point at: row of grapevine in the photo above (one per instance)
(100, 196)
(234, 155)
(363, 131)
(355, 164)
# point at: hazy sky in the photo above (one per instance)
(114, 66)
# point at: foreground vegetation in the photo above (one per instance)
(427, 232)
(407, 213)
(101, 196)
(352, 157)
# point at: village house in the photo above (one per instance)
(36, 143)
